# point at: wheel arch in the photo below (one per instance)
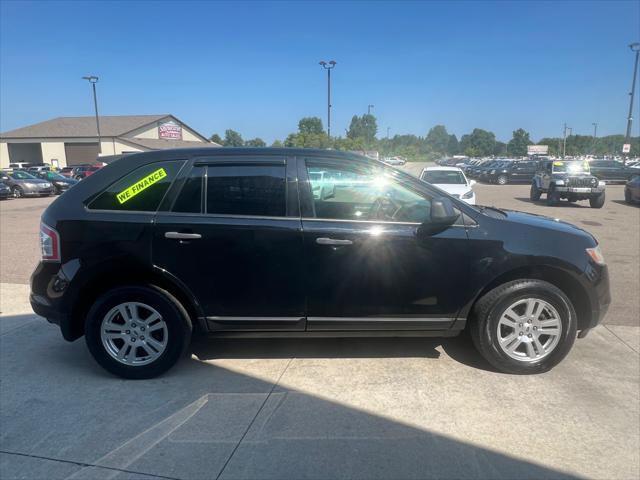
(558, 277)
(108, 278)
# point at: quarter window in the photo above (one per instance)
(354, 193)
(255, 190)
(141, 190)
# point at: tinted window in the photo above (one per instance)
(141, 190)
(190, 198)
(440, 177)
(258, 190)
(360, 193)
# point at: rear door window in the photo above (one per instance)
(141, 190)
(253, 190)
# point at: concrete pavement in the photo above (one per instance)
(341, 408)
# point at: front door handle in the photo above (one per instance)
(182, 236)
(332, 241)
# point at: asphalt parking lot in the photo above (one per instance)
(339, 408)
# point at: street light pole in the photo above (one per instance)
(369, 107)
(635, 47)
(328, 66)
(92, 79)
(595, 136)
(564, 141)
(388, 128)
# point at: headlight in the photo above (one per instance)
(46, 185)
(468, 195)
(596, 255)
(559, 182)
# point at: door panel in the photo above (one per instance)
(239, 267)
(387, 271)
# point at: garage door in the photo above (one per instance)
(25, 152)
(79, 153)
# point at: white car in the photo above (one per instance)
(452, 180)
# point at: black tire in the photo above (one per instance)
(502, 180)
(534, 193)
(597, 201)
(553, 197)
(488, 310)
(627, 196)
(177, 320)
(17, 192)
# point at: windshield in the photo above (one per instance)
(444, 177)
(53, 176)
(570, 167)
(22, 176)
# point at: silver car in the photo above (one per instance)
(23, 184)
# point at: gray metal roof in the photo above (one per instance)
(110, 126)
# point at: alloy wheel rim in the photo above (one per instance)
(529, 330)
(17, 193)
(134, 334)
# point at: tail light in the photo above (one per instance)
(49, 243)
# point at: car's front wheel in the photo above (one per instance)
(597, 201)
(534, 193)
(502, 180)
(524, 326)
(137, 331)
(17, 192)
(553, 197)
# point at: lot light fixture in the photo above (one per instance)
(92, 79)
(328, 66)
(635, 47)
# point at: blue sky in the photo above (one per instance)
(253, 66)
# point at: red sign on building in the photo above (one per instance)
(170, 131)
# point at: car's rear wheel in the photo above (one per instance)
(502, 180)
(553, 197)
(627, 196)
(597, 201)
(534, 193)
(17, 192)
(137, 331)
(524, 326)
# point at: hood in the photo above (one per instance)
(548, 223)
(453, 189)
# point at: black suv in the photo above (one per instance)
(243, 241)
(612, 171)
(510, 172)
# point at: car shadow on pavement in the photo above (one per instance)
(622, 202)
(64, 415)
(459, 348)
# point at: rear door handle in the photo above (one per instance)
(182, 236)
(332, 241)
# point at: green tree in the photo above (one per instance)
(310, 125)
(255, 142)
(232, 139)
(453, 146)
(438, 139)
(215, 138)
(479, 143)
(519, 142)
(277, 144)
(364, 127)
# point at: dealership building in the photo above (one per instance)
(68, 141)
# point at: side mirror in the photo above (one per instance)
(443, 215)
(472, 183)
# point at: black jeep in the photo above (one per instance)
(567, 179)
